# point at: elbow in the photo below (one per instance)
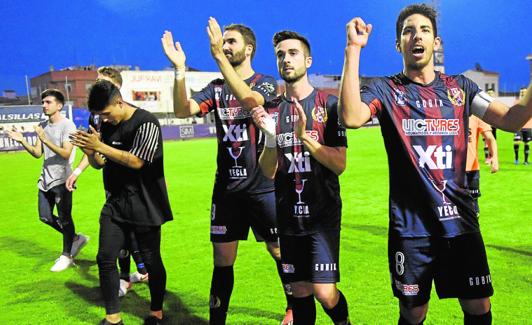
(249, 103)
(340, 169)
(351, 123)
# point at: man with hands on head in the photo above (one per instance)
(242, 196)
(305, 152)
(434, 231)
(52, 142)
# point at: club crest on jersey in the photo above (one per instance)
(319, 114)
(456, 96)
(266, 87)
(399, 96)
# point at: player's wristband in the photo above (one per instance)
(270, 141)
(77, 171)
(179, 73)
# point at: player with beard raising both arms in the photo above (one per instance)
(242, 196)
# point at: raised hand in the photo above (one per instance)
(358, 32)
(15, 135)
(88, 142)
(173, 51)
(301, 121)
(215, 37)
(40, 132)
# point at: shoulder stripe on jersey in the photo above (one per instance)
(146, 142)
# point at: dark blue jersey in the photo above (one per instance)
(239, 140)
(425, 134)
(307, 193)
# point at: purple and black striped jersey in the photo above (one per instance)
(240, 142)
(307, 193)
(424, 128)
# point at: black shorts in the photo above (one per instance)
(312, 258)
(232, 214)
(524, 135)
(458, 266)
(473, 187)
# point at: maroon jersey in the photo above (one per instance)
(240, 142)
(307, 193)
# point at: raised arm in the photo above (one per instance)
(503, 117)
(183, 106)
(268, 157)
(35, 151)
(352, 111)
(243, 93)
(330, 157)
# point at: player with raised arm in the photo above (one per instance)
(242, 196)
(434, 232)
(305, 152)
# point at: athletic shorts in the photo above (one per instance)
(313, 258)
(524, 135)
(473, 187)
(232, 214)
(458, 266)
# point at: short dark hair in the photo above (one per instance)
(111, 73)
(103, 93)
(247, 35)
(420, 8)
(54, 93)
(288, 34)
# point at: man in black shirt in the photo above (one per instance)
(131, 153)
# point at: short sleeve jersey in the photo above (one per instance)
(56, 169)
(476, 127)
(240, 142)
(307, 193)
(141, 136)
(425, 132)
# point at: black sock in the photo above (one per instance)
(527, 150)
(484, 319)
(286, 285)
(516, 151)
(304, 310)
(339, 313)
(403, 321)
(221, 289)
(137, 257)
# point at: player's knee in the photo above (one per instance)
(476, 306)
(46, 218)
(327, 296)
(105, 260)
(414, 315)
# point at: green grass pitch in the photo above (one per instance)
(31, 294)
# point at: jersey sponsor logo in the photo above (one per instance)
(301, 210)
(218, 230)
(186, 131)
(291, 118)
(456, 96)
(321, 267)
(233, 113)
(319, 114)
(236, 171)
(429, 103)
(425, 127)
(288, 268)
(299, 162)
(399, 96)
(435, 157)
(289, 139)
(116, 143)
(407, 289)
(235, 132)
(446, 211)
(475, 281)
(266, 87)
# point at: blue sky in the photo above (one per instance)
(36, 34)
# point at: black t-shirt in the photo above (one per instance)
(141, 194)
(307, 192)
(240, 142)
